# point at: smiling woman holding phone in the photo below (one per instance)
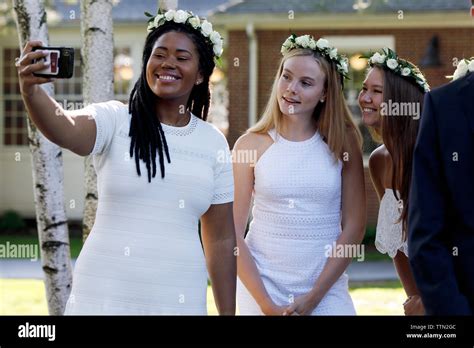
(144, 254)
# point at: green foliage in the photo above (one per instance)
(11, 221)
(75, 243)
(369, 237)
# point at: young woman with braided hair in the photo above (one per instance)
(144, 254)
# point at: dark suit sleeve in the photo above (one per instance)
(431, 258)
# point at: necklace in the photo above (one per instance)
(180, 122)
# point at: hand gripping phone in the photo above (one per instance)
(61, 62)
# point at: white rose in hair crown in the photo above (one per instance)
(389, 60)
(464, 66)
(212, 37)
(322, 46)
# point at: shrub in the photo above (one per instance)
(11, 221)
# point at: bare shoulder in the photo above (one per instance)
(252, 140)
(378, 164)
(255, 142)
(379, 157)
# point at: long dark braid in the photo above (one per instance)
(147, 136)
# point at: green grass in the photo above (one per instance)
(75, 242)
(22, 297)
(378, 298)
(27, 297)
(371, 254)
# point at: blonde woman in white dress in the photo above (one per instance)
(307, 186)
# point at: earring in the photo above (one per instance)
(321, 100)
(198, 82)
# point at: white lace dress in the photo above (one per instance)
(389, 238)
(296, 218)
(143, 255)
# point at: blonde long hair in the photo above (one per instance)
(334, 117)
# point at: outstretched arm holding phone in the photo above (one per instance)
(71, 130)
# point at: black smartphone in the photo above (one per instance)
(61, 62)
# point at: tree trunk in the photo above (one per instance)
(47, 164)
(98, 72)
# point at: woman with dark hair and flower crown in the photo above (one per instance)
(308, 190)
(391, 102)
(144, 254)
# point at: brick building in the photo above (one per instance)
(253, 31)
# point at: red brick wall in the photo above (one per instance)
(238, 84)
(372, 200)
(409, 43)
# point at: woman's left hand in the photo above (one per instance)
(302, 305)
(414, 306)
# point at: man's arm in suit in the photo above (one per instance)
(430, 258)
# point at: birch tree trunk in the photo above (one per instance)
(47, 163)
(98, 72)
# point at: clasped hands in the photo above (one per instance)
(301, 305)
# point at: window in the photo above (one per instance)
(15, 124)
(123, 73)
(15, 130)
(68, 92)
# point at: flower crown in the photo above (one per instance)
(388, 58)
(211, 36)
(321, 46)
(463, 67)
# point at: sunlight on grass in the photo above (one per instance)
(211, 305)
(27, 297)
(384, 298)
(22, 297)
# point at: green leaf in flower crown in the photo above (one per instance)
(218, 62)
(148, 14)
(367, 56)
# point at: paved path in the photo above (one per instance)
(358, 271)
(372, 271)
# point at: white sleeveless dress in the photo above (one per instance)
(143, 255)
(388, 237)
(296, 217)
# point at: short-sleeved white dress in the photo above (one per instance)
(143, 255)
